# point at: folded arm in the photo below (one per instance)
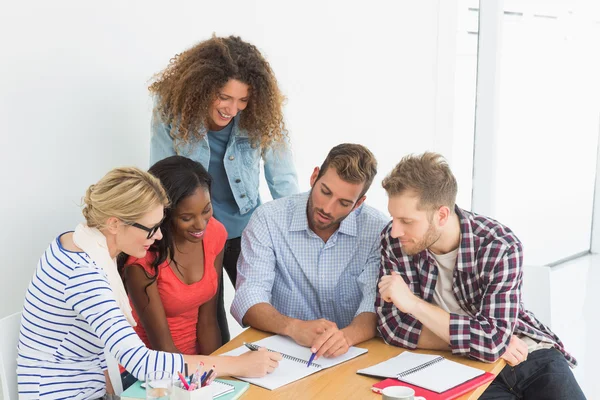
(485, 336)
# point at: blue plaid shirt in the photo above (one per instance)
(286, 264)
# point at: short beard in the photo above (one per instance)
(431, 236)
(312, 211)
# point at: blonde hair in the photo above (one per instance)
(428, 175)
(354, 163)
(127, 193)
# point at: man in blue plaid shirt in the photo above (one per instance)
(451, 280)
(309, 262)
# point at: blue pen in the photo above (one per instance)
(310, 360)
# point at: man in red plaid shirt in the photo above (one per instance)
(451, 279)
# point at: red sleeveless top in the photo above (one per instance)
(180, 300)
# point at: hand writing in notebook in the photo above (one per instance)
(393, 289)
(258, 363)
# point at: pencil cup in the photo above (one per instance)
(399, 393)
(179, 393)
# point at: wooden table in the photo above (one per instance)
(342, 381)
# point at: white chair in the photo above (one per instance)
(9, 338)
(113, 372)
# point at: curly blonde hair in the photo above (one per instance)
(190, 84)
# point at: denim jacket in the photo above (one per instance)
(242, 162)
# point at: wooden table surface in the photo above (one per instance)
(342, 381)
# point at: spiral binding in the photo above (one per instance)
(420, 367)
(286, 356)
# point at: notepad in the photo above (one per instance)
(432, 372)
(239, 389)
(293, 366)
(221, 387)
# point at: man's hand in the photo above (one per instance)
(516, 352)
(331, 343)
(393, 289)
(305, 333)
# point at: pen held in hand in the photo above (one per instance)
(311, 359)
(251, 346)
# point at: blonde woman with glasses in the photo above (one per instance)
(76, 306)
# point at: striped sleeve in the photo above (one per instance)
(100, 310)
(256, 267)
(102, 358)
(367, 280)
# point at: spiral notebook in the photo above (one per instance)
(293, 366)
(221, 387)
(431, 372)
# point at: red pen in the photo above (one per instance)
(183, 381)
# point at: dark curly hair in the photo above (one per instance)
(180, 177)
(189, 85)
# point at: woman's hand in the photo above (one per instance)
(255, 364)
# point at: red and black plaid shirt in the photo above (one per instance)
(487, 285)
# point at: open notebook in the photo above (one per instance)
(293, 366)
(431, 372)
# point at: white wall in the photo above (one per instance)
(74, 101)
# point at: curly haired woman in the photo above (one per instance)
(219, 104)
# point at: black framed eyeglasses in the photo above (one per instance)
(151, 231)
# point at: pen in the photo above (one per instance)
(203, 381)
(311, 359)
(212, 377)
(251, 346)
(198, 372)
(185, 371)
(183, 381)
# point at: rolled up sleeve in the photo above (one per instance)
(367, 280)
(255, 268)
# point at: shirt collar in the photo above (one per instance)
(466, 260)
(300, 220)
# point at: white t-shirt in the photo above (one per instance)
(443, 296)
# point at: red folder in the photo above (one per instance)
(429, 395)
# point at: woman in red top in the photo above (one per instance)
(172, 290)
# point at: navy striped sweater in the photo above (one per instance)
(69, 317)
